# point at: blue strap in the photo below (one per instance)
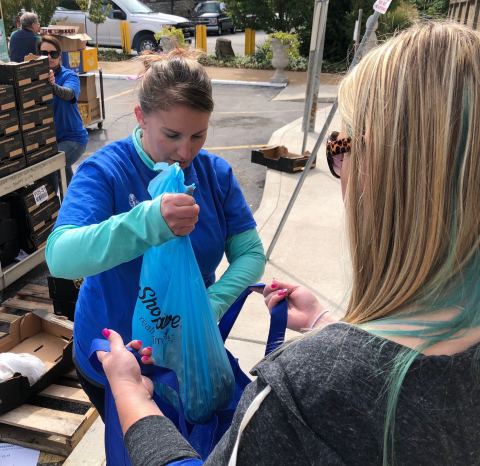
(278, 325)
(155, 373)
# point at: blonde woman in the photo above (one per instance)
(396, 381)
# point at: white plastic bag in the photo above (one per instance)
(26, 364)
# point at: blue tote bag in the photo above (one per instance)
(203, 437)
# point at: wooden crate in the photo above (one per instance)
(53, 421)
(56, 419)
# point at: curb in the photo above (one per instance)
(130, 77)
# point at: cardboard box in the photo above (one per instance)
(71, 37)
(41, 154)
(22, 74)
(279, 158)
(35, 209)
(11, 147)
(34, 94)
(38, 115)
(7, 98)
(90, 111)
(9, 166)
(39, 137)
(39, 333)
(88, 88)
(9, 123)
(81, 61)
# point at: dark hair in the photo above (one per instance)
(51, 40)
(174, 78)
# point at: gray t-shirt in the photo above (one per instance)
(327, 407)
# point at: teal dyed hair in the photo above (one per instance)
(413, 195)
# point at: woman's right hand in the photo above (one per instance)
(304, 309)
(180, 212)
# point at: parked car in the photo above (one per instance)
(143, 21)
(214, 15)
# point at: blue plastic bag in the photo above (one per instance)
(202, 437)
(173, 315)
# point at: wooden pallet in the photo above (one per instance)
(57, 418)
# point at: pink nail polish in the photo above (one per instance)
(140, 342)
(106, 332)
(145, 358)
(274, 285)
(148, 348)
(282, 293)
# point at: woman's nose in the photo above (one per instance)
(184, 150)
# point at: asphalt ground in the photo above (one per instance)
(244, 118)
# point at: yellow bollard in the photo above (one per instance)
(125, 37)
(249, 41)
(201, 37)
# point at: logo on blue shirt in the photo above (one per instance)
(132, 200)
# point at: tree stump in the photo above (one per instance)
(223, 49)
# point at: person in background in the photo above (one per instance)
(72, 137)
(397, 381)
(108, 219)
(25, 41)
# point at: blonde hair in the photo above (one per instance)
(413, 195)
(174, 78)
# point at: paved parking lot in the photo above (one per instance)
(244, 117)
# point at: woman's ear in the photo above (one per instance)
(139, 115)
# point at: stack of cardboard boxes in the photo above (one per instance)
(28, 81)
(11, 145)
(81, 59)
(88, 102)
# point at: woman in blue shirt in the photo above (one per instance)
(108, 219)
(72, 137)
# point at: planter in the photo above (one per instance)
(279, 61)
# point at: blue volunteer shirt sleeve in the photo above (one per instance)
(88, 239)
(72, 81)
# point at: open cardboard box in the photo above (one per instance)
(42, 334)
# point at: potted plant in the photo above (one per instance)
(282, 45)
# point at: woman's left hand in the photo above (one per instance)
(51, 77)
(121, 367)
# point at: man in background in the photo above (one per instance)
(26, 39)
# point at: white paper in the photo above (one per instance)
(13, 455)
(40, 195)
(382, 6)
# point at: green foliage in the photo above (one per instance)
(275, 15)
(431, 8)
(99, 11)
(258, 61)
(113, 55)
(171, 32)
(43, 8)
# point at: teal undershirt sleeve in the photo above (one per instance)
(74, 252)
(247, 262)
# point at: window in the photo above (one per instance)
(70, 5)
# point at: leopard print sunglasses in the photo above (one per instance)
(336, 148)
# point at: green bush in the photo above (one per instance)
(173, 33)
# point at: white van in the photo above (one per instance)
(144, 23)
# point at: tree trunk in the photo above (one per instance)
(96, 36)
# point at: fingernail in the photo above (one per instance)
(106, 332)
(274, 284)
(145, 358)
(283, 292)
(148, 348)
(140, 342)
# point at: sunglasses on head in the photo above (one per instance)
(53, 53)
(336, 148)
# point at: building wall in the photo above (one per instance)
(465, 12)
